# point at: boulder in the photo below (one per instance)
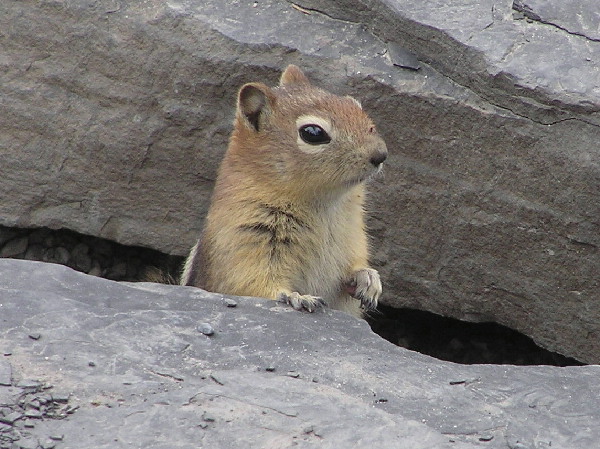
(92, 363)
(114, 116)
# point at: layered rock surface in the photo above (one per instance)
(92, 363)
(114, 116)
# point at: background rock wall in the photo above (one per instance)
(114, 116)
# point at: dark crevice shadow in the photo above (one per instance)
(460, 341)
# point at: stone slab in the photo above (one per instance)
(114, 116)
(128, 361)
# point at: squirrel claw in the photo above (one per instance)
(365, 286)
(301, 302)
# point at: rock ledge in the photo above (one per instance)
(136, 372)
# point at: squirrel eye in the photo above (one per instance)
(314, 135)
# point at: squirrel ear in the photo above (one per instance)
(293, 75)
(254, 100)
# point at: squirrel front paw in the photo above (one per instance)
(365, 286)
(301, 302)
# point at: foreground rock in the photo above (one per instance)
(115, 116)
(128, 367)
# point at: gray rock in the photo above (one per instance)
(35, 252)
(34, 414)
(118, 271)
(48, 444)
(489, 206)
(28, 443)
(29, 383)
(370, 392)
(95, 270)
(7, 234)
(61, 398)
(39, 236)
(14, 247)
(580, 19)
(230, 302)
(80, 257)
(206, 329)
(59, 255)
(11, 418)
(5, 373)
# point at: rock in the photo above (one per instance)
(230, 302)
(488, 208)
(35, 252)
(95, 270)
(59, 255)
(30, 384)
(89, 254)
(34, 414)
(28, 443)
(118, 271)
(80, 258)
(208, 417)
(61, 398)
(578, 19)
(206, 329)
(369, 393)
(14, 247)
(11, 418)
(39, 236)
(48, 444)
(7, 234)
(5, 373)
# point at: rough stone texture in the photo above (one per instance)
(114, 115)
(126, 366)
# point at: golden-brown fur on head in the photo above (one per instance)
(266, 135)
(286, 217)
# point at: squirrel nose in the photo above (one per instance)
(378, 158)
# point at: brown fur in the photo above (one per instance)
(286, 217)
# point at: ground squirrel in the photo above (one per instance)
(286, 217)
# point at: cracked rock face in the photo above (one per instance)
(115, 116)
(580, 18)
(123, 365)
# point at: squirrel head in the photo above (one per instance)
(302, 136)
